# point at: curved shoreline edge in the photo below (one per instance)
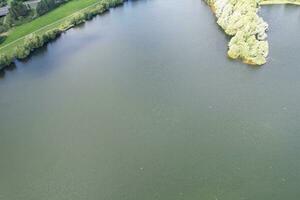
(240, 20)
(35, 41)
(248, 42)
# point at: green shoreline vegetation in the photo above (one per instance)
(239, 19)
(24, 39)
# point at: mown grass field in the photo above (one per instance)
(44, 23)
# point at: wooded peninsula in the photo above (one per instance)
(240, 19)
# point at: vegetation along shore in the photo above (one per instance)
(20, 41)
(26, 25)
(240, 19)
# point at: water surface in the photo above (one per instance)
(142, 103)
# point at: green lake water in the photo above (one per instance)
(142, 104)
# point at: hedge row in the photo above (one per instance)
(34, 41)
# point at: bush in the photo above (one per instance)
(77, 19)
(2, 38)
(3, 3)
(34, 41)
(3, 28)
(5, 60)
(18, 9)
(99, 9)
(112, 3)
(21, 52)
(31, 42)
(45, 6)
(51, 35)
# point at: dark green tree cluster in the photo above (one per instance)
(3, 3)
(5, 60)
(3, 28)
(18, 9)
(45, 6)
(112, 3)
(2, 38)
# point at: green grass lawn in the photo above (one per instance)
(54, 18)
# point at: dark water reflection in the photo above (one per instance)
(142, 103)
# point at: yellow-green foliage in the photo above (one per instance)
(5, 60)
(239, 19)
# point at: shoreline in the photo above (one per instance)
(248, 31)
(35, 40)
(240, 21)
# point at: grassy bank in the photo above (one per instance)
(270, 2)
(44, 23)
(58, 20)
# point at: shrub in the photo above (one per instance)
(77, 19)
(18, 9)
(45, 6)
(112, 3)
(2, 38)
(3, 28)
(33, 41)
(49, 35)
(3, 3)
(5, 60)
(21, 52)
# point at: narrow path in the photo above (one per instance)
(48, 26)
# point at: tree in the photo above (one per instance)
(42, 7)
(18, 9)
(45, 6)
(3, 3)
(5, 60)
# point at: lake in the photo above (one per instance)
(143, 104)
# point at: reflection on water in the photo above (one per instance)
(142, 103)
(11, 67)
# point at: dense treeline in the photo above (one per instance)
(3, 3)
(5, 60)
(34, 41)
(45, 6)
(18, 9)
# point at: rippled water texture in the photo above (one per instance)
(142, 104)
